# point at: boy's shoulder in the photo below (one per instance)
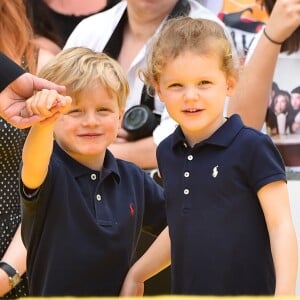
(130, 170)
(130, 166)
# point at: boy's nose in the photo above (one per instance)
(90, 119)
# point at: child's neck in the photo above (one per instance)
(197, 137)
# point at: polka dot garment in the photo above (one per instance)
(11, 143)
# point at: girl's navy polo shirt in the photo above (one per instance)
(81, 228)
(220, 242)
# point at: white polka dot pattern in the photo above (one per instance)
(11, 143)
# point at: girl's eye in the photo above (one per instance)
(175, 85)
(204, 82)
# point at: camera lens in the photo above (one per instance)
(135, 118)
(139, 121)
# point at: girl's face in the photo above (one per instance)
(280, 104)
(89, 126)
(194, 89)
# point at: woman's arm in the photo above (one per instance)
(15, 256)
(252, 94)
(155, 259)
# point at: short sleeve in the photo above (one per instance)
(9, 71)
(265, 164)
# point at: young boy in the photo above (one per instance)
(83, 210)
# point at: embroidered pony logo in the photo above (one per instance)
(131, 209)
(215, 172)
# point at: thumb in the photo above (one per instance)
(40, 83)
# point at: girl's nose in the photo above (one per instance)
(190, 93)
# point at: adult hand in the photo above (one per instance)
(284, 19)
(122, 136)
(13, 99)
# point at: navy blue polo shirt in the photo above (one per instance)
(220, 243)
(81, 228)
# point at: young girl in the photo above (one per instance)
(229, 224)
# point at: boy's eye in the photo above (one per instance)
(103, 109)
(73, 111)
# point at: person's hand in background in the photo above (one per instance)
(13, 99)
(284, 19)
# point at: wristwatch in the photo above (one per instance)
(13, 275)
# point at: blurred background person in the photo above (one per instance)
(295, 110)
(54, 20)
(279, 62)
(278, 115)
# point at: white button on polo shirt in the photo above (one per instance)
(186, 174)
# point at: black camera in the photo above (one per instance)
(139, 121)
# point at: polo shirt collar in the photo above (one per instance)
(110, 166)
(222, 137)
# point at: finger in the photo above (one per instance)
(51, 98)
(27, 108)
(122, 133)
(24, 122)
(119, 140)
(51, 119)
(40, 83)
(63, 101)
(43, 102)
(64, 104)
(32, 104)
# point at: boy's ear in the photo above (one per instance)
(231, 84)
(121, 115)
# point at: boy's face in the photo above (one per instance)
(194, 89)
(89, 126)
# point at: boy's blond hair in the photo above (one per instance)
(81, 68)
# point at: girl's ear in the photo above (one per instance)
(231, 84)
(157, 90)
